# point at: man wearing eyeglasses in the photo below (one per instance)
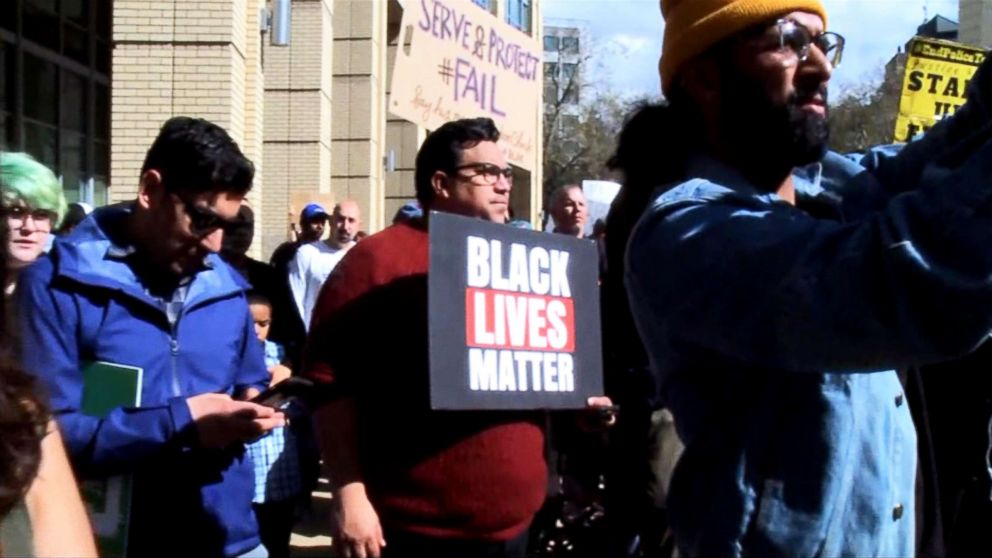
(776, 286)
(408, 481)
(141, 285)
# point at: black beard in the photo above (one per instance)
(768, 139)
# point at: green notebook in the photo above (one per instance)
(107, 386)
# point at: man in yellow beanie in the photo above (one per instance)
(776, 285)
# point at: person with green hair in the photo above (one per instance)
(34, 205)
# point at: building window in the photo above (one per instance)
(485, 4)
(570, 45)
(55, 89)
(568, 72)
(518, 14)
(550, 70)
(6, 96)
(550, 43)
(550, 93)
(571, 94)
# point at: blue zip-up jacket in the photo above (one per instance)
(78, 305)
(774, 330)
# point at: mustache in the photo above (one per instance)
(802, 96)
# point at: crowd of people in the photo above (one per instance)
(796, 339)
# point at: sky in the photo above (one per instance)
(625, 36)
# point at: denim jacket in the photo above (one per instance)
(774, 330)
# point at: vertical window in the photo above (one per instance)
(78, 11)
(41, 23)
(41, 86)
(6, 96)
(568, 72)
(41, 142)
(518, 14)
(8, 15)
(570, 45)
(550, 70)
(55, 89)
(550, 43)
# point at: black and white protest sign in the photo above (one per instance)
(514, 317)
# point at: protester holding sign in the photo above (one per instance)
(776, 286)
(409, 481)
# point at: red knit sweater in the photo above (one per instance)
(466, 475)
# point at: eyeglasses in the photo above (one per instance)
(203, 221)
(798, 38)
(18, 216)
(489, 173)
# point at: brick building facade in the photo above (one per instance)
(311, 115)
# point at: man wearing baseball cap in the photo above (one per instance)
(776, 285)
(288, 328)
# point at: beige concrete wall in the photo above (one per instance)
(254, 118)
(403, 138)
(312, 116)
(975, 17)
(297, 129)
(358, 123)
(183, 57)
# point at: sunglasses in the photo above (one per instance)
(203, 221)
(800, 40)
(489, 172)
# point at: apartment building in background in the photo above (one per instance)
(86, 84)
(564, 46)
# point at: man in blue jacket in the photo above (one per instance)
(140, 285)
(776, 286)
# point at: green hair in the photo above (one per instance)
(24, 180)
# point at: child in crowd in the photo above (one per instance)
(278, 479)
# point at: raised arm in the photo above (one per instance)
(778, 288)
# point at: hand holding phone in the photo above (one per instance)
(290, 389)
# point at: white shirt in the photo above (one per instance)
(308, 271)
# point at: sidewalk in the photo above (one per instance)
(311, 536)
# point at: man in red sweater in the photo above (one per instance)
(431, 483)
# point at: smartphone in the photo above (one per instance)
(294, 388)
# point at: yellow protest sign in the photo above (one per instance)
(935, 84)
(457, 60)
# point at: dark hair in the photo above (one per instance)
(74, 216)
(258, 297)
(238, 238)
(442, 150)
(196, 156)
(651, 151)
(23, 415)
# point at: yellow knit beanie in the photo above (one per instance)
(693, 26)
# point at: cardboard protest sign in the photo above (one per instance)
(514, 317)
(464, 62)
(935, 84)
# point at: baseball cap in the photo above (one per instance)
(313, 211)
(410, 210)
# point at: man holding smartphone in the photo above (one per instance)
(141, 285)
